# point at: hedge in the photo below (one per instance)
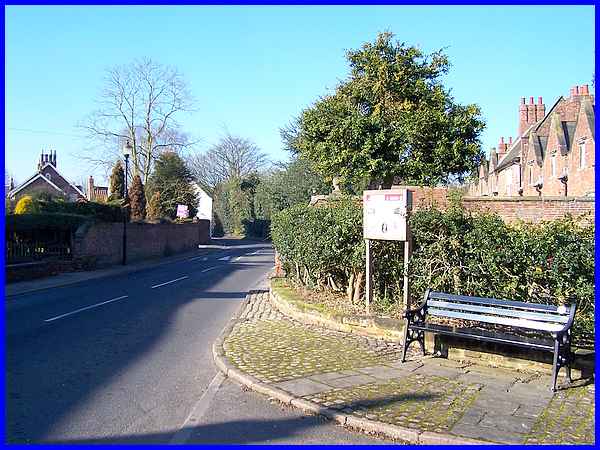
(35, 222)
(104, 212)
(453, 251)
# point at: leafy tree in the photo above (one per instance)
(173, 179)
(392, 117)
(154, 210)
(293, 183)
(26, 205)
(117, 182)
(137, 199)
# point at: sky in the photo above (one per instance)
(252, 69)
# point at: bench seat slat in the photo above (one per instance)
(506, 312)
(485, 335)
(521, 323)
(494, 302)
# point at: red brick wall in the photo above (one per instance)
(531, 209)
(104, 241)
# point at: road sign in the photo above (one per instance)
(182, 211)
(385, 214)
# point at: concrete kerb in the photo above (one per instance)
(364, 425)
(342, 323)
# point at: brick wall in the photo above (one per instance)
(531, 209)
(103, 242)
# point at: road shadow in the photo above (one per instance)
(53, 369)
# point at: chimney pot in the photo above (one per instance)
(576, 90)
(540, 102)
(531, 100)
(510, 140)
(584, 90)
(502, 140)
(523, 100)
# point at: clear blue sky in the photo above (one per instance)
(252, 69)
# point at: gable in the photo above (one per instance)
(35, 181)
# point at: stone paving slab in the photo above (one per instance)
(363, 379)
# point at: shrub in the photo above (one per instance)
(453, 251)
(104, 212)
(137, 199)
(26, 205)
(46, 221)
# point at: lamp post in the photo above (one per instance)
(126, 152)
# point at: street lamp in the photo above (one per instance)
(126, 152)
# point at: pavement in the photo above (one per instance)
(360, 382)
(23, 287)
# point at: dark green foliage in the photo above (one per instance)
(454, 251)
(117, 182)
(294, 183)
(233, 205)
(154, 210)
(100, 211)
(46, 221)
(321, 246)
(172, 178)
(137, 200)
(391, 117)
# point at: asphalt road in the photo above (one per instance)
(128, 359)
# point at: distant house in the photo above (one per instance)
(205, 205)
(553, 154)
(49, 180)
(96, 193)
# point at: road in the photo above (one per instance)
(128, 359)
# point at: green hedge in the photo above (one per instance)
(35, 222)
(453, 251)
(104, 212)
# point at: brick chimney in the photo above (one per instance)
(574, 91)
(90, 189)
(522, 116)
(502, 147)
(584, 90)
(540, 110)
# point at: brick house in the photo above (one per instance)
(553, 154)
(49, 180)
(96, 193)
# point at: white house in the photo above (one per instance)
(205, 203)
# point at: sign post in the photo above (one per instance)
(385, 214)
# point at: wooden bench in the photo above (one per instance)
(552, 322)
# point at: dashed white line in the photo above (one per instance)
(204, 258)
(208, 268)
(85, 308)
(225, 258)
(169, 282)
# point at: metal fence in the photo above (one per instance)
(27, 248)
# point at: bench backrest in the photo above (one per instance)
(503, 312)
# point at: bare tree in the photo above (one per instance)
(231, 157)
(139, 103)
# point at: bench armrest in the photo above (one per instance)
(410, 313)
(569, 323)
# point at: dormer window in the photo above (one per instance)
(582, 155)
(49, 176)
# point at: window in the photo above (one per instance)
(553, 162)
(531, 175)
(582, 155)
(49, 176)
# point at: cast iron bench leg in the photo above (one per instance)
(405, 344)
(555, 368)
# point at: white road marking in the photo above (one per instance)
(225, 258)
(238, 258)
(169, 282)
(85, 308)
(207, 269)
(204, 258)
(198, 411)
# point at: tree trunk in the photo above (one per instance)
(350, 288)
(358, 286)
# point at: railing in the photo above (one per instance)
(24, 251)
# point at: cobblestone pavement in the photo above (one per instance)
(363, 377)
